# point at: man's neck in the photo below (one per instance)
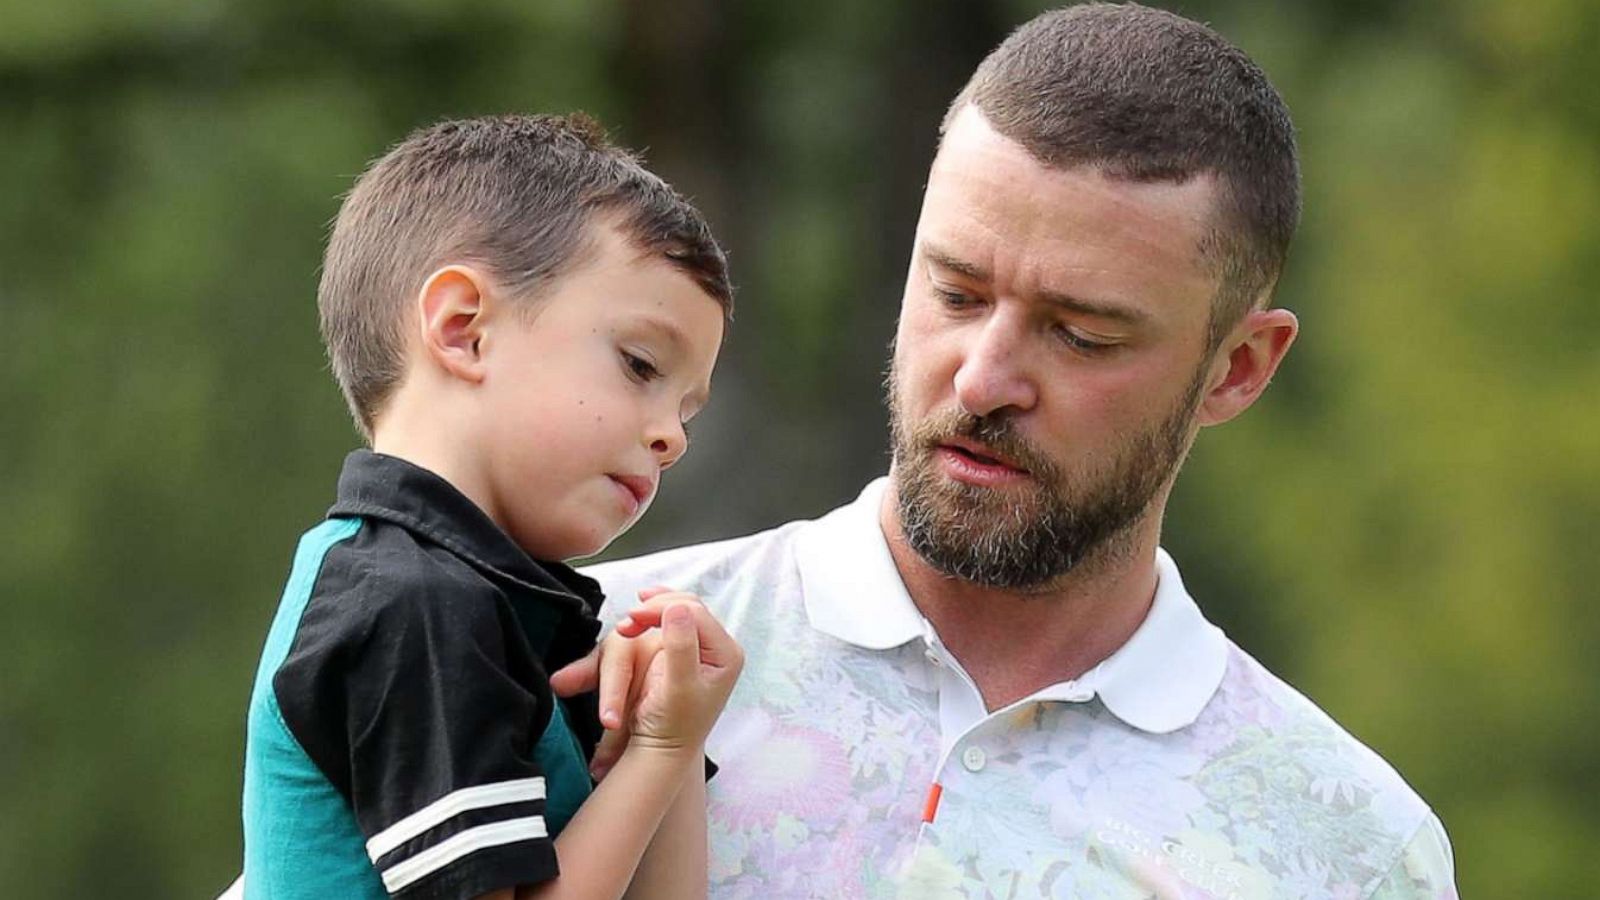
(1015, 643)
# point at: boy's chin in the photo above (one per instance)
(562, 547)
(584, 548)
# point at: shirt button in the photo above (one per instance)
(933, 657)
(974, 759)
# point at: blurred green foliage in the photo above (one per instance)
(1404, 528)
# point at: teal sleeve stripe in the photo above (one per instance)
(301, 838)
(314, 546)
(566, 771)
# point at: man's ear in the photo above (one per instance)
(452, 311)
(1246, 362)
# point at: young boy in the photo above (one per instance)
(522, 319)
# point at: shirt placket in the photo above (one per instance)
(965, 752)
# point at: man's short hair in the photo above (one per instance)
(513, 195)
(1146, 95)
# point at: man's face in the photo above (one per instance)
(1049, 359)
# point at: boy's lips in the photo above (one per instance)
(639, 487)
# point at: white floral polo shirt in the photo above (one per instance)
(857, 759)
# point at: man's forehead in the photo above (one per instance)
(975, 159)
(991, 206)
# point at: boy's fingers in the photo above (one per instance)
(680, 641)
(654, 590)
(628, 626)
(577, 677)
(607, 752)
(718, 649)
(648, 613)
(660, 600)
(616, 679)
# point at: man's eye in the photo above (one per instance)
(1079, 342)
(954, 299)
(639, 367)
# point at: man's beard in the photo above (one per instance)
(1030, 536)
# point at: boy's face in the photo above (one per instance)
(586, 403)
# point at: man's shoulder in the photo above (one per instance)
(1298, 760)
(1253, 695)
(706, 569)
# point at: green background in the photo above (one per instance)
(1404, 528)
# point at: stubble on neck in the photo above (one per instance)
(1015, 642)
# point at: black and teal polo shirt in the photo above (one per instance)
(403, 740)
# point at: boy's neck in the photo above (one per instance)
(433, 442)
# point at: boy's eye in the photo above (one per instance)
(639, 367)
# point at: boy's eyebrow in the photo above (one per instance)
(666, 326)
(1114, 311)
(675, 336)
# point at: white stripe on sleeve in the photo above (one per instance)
(449, 806)
(472, 840)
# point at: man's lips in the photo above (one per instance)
(974, 464)
(640, 487)
(980, 453)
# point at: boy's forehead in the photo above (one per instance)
(610, 239)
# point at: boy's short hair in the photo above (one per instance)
(514, 195)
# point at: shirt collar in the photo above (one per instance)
(389, 488)
(1159, 681)
(1163, 677)
(851, 588)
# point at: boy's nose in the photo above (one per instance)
(668, 444)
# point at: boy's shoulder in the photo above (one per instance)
(386, 566)
(383, 636)
(383, 583)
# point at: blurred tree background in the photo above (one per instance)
(1404, 528)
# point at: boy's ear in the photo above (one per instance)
(452, 310)
(1246, 362)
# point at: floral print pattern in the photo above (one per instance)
(828, 751)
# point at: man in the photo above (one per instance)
(984, 677)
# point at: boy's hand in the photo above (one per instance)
(618, 666)
(685, 685)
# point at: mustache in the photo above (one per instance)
(997, 432)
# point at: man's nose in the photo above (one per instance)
(994, 372)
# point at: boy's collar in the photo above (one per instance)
(385, 487)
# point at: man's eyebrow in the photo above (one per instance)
(945, 260)
(1113, 311)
